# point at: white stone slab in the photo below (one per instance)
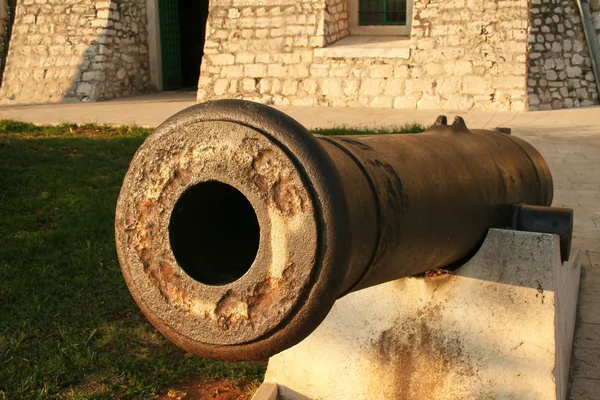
(501, 327)
(367, 46)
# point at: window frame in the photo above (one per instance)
(378, 30)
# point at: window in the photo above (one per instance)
(380, 17)
(382, 12)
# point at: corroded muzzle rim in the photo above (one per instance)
(296, 193)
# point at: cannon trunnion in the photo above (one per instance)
(237, 229)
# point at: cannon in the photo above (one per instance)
(237, 229)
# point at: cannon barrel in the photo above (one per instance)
(237, 229)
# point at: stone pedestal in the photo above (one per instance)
(499, 327)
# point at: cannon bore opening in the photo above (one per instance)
(214, 233)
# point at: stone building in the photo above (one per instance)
(88, 50)
(453, 54)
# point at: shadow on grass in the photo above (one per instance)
(68, 326)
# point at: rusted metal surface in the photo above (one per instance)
(237, 229)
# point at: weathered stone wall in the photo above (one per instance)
(463, 54)
(336, 20)
(469, 54)
(261, 51)
(82, 50)
(560, 68)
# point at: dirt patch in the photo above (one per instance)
(200, 389)
(437, 272)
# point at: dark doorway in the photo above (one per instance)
(8, 24)
(182, 30)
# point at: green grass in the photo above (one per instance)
(68, 326)
(342, 130)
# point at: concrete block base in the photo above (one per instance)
(499, 327)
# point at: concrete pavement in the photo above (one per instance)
(151, 110)
(568, 139)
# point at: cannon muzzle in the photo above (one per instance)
(237, 229)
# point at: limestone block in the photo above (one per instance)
(518, 106)
(309, 86)
(84, 88)
(261, 33)
(332, 87)
(449, 86)
(277, 32)
(509, 82)
(339, 70)
(557, 47)
(394, 87)
(232, 71)
(103, 14)
(38, 74)
(401, 72)
(573, 72)
(263, 58)
(281, 100)
(404, 102)
(351, 87)
(92, 76)
(276, 87)
(290, 87)
(245, 58)
(29, 19)
(434, 69)
(501, 105)
(299, 71)
(577, 59)
(249, 85)
(220, 59)
(290, 58)
(582, 93)
(255, 70)
(233, 87)
(458, 68)
(221, 86)
(319, 70)
(382, 102)
(551, 75)
(458, 102)
(202, 95)
(381, 71)
(277, 71)
(419, 86)
(499, 327)
(429, 102)
(371, 87)
(246, 33)
(264, 86)
(475, 85)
